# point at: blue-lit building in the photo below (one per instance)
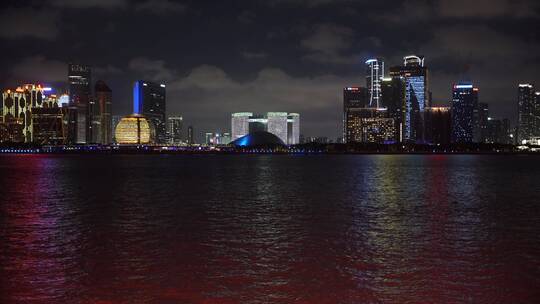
(417, 96)
(149, 100)
(464, 113)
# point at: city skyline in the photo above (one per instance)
(308, 51)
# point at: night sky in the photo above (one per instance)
(275, 55)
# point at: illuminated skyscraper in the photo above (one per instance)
(79, 78)
(417, 96)
(19, 104)
(374, 77)
(149, 100)
(526, 112)
(240, 124)
(464, 112)
(354, 98)
(102, 114)
(277, 124)
(174, 126)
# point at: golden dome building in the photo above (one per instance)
(134, 129)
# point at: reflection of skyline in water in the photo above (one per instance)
(259, 229)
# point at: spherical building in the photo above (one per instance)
(257, 139)
(134, 129)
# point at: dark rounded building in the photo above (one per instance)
(257, 139)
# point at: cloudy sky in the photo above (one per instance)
(218, 57)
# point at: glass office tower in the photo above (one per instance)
(149, 100)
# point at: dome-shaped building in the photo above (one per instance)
(134, 129)
(256, 139)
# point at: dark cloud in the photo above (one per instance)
(39, 69)
(41, 24)
(160, 6)
(84, 4)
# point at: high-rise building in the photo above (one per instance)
(494, 131)
(370, 125)
(48, 125)
(354, 98)
(393, 99)
(226, 138)
(526, 112)
(149, 100)
(190, 136)
(286, 126)
(438, 125)
(374, 77)
(174, 126)
(464, 112)
(481, 128)
(240, 124)
(102, 128)
(214, 139)
(277, 124)
(417, 95)
(80, 94)
(293, 128)
(19, 104)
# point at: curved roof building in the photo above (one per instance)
(134, 129)
(258, 139)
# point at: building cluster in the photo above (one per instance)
(399, 108)
(286, 126)
(393, 107)
(32, 113)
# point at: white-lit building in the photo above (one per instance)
(284, 125)
(240, 124)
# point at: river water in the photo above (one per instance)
(269, 229)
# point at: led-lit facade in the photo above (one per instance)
(286, 126)
(277, 124)
(464, 112)
(417, 96)
(134, 129)
(18, 105)
(354, 98)
(374, 77)
(240, 124)
(149, 100)
(370, 125)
